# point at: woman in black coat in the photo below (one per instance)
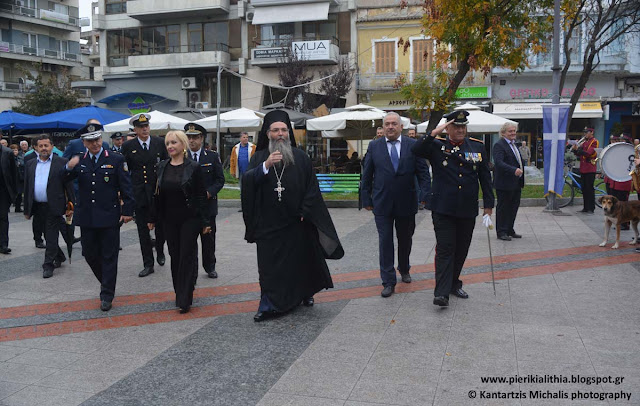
(180, 204)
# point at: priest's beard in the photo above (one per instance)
(284, 146)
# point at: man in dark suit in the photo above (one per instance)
(214, 181)
(142, 154)
(8, 188)
(103, 183)
(508, 179)
(46, 193)
(388, 188)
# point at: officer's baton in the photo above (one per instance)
(489, 225)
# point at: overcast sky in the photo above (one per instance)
(85, 11)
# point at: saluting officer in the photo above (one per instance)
(142, 154)
(103, 182)
(458, 163)
(214, 181)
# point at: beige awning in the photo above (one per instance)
(534, 110)
(291, 13)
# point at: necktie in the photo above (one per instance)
(144, 146)
(515, 151)
(195, 157)
(95, 159)
(395, 159)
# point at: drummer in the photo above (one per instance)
(620, 190)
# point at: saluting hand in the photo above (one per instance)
(439, 129)
(73, 162)
(273, 159)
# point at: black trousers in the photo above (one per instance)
(18, 202)
(37, 226)
(405, 227)
(453, 237)
(208, 242)
(5, 204)
(142, 218)
(506, 210)
(53, 224)
(101, 247)
(588, 192)
(182, 242)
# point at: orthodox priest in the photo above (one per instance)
(286, 217)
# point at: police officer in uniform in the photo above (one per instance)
(102, 182)
(214, 181)
(117, 139)
(458, 164)
(142, 154)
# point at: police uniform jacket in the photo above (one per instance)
(142, 165)
(100, 189)
(213, 177)
(456, 172)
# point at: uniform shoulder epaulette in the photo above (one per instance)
(476, 140)
(441, 138)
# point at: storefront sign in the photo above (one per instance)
(54, 16)
(312, 50)
(389, 101)
(479, 92)
(138, 106)
(524, 88)
(268, 53)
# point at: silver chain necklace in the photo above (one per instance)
(279, 189)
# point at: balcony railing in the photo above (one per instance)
(377, 81)
(44, 53)
(9, 86)
(123, 59)
(40, 13)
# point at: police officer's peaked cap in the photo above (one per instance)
(89, 128)
(193, 129)
(140, 120)
(131, 132)
(459, 117)
(116, 136)
(92, 135)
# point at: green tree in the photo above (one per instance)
(336, 86)
(473, 35)
(48, 95)
(293, 73)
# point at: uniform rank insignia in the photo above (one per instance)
(106, 179)
(206, 164)
(106, 167)
(125, 167)
(134, 151)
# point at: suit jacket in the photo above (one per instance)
(506, 163)
(393, 193)
(213, 177)
(76, 147)
(9, 171)
(59, 189)
(142, 166)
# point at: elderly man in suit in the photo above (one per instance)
(389, 190)
(508, 180)
(8, 187)
(46, 194)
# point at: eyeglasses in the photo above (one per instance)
(279, 130)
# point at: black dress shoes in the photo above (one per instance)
(105, 306)
(441, 301)
(161, 259)
(185, 309)
(5, 250)
(308, 301)
(262, 316)
(406, 278)
(212, 273)
(57, 263)
(146, 272)
(47, 273)
(388, 291)
(515, 235)
(504, 237)
(460, 293)
(40, 244)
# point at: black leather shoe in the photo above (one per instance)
(161, 259)
(504, 238)
(308, 301)
(57, 263)
(211, 272)
(441, 301)
(5, 250)
(515, 235)
(388, 291)
(460, 293)
(262, 316)
(406, 277)
(185, 309)
(105, 306)
(146, 272)
(47, 273)
(40, 244)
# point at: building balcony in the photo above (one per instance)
(145, 10)
(377, 81)
(25, 53)
(41, 16)
(317, 52)
(183, 57)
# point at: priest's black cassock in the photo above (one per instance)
(291, 251)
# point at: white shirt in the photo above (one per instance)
(42, 178)
(197, 155)
(97, 155)
(398, 145)
(143, 143)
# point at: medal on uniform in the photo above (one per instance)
(445, 163)
(106, 179)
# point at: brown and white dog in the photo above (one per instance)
(618, 213)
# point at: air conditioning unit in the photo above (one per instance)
(193, 98)
(189, 83)
(250, 16)
(202, 105)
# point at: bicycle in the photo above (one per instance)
(572, 187)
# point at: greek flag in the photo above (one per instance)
(554, 123)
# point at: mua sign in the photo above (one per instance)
(312, 50)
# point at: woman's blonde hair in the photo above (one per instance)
(181, 136)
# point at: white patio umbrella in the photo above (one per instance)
(358, 117)
(158, 121)
(241, 119)
(479, 121)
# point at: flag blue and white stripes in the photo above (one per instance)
(554, 137)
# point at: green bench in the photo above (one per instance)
(339, 182)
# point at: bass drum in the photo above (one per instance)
(616, 161)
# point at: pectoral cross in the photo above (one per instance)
(279, 189)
